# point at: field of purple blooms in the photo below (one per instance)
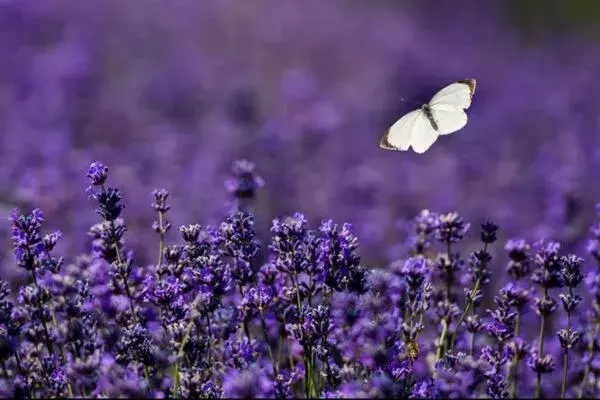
(249, 237)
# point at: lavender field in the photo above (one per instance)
(193, 202)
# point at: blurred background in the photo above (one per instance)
(170, 93)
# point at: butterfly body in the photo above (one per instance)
(444, 114)
(427, 111)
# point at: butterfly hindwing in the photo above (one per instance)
(448, 118)
(423, 134)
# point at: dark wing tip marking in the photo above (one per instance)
(385, 144)
(470, 83)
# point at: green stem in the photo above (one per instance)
(465, 312)
(514, 368)
(269, 350)
(563, 388)
(538, 380)
(161, 242)
(306, 351)
(441, 340)
(186, 337)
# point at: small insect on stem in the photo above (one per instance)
(412, 348)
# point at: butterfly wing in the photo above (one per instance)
(399, 136)
(458, 94)
(423, 135)
(448, 118)
(447, 106)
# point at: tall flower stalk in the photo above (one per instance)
(451, 229)
(518, 268)
(568, 337)
(478, 273)
(548, 275)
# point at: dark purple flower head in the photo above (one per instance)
(516, 296)
(109, 203)
(293, 245)
(414, 271)
(258, 298)
(494, 358)
(500, 331)
(31, 250)
(241, 353)
(542, 365)
(489, 232)
(245, 181)
(548, 273)
(426, 225)
(162, 291)
(97, 173)
(568, 338)
(236, 239)
(173, 254)
(452, 228)
(571, 270)
(570, 301)
(314, 327)
(107, 239)
(519, 348)
(478, 267)
(160, 206)
(160, 200)
(190, 233)
(339, 263)
(135, 344)
(26, 237)
(544, 306)
(520, 258)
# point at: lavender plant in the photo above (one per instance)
(209, 319)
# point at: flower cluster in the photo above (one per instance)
(222, 315)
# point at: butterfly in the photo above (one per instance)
(444, 114)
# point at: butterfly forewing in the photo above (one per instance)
(457, 94)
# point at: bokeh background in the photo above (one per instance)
(170, 93)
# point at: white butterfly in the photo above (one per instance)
(443, 115)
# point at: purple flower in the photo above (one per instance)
(452, 228)
(489, 232)
(426, 225)
(293, 245)
(98, 173)
(237, 241)
(245, 181)
(27, 240)
(520, 258)
(548, 273)
(541, 365)
(571, 270)
(340, 265)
